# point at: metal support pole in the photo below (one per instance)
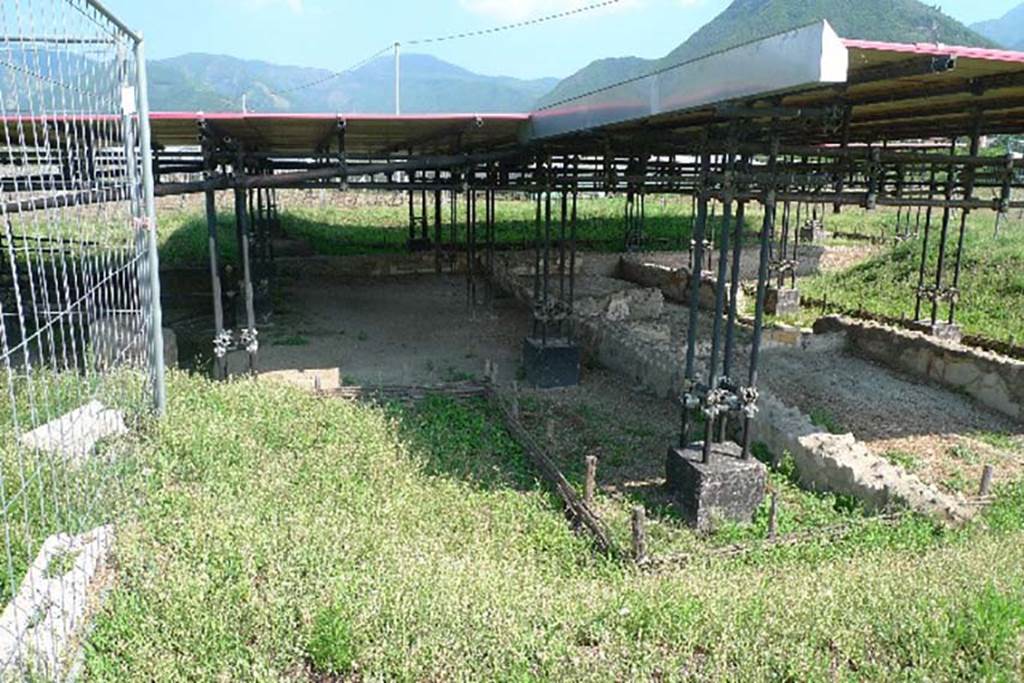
(453, 227)
(536, 259)
(734, 289)
(944, 236)
(398, 79)
(562, 226)
(437, 231)
(924, 247)
(249, 335)
(695, 284)
(572, 264)
(219, 342)
(423, 216)
(546, 283)
(964, 215)
(156, 332)
(767, 232)
(470, 246)
(714, 373)
(492, 206)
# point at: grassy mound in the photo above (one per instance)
(992, 282)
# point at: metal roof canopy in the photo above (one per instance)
(895, 90)
(365, 134)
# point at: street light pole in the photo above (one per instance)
(398, 79)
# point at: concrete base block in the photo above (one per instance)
(813, 234)
(73, 436)
(939, 330)
(726, 489)
(782, 301)
(41, 629)
(555, 364)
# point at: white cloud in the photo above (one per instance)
(520, 10)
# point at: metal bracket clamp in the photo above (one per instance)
(553, 311)
(729, 398)
(748, 401)
(927, 292)
(222, 343)
(250, 339)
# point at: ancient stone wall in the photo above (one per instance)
(992, 380)
(841, 464)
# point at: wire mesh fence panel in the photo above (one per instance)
(79, 314)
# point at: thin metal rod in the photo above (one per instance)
(924, 249)
(220, 362)
(964, 215)
(716, 332)
(694, 314)
(734, 290)
(767, 237)
(943, 238)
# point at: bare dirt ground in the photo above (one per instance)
(388, 330)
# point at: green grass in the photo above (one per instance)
(908, 461)
(368, 229)
(288, 537)
(291, 340)
(820, 417)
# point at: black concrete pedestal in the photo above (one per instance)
(781, 302)
(939, 329)
(813, 234)
(727, 489)
(550, 365)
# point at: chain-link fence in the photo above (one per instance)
(81, 351)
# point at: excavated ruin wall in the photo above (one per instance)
(992, 380)
(644, 351)
(841, 464)
(674, 283)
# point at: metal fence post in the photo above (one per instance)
(156, 333)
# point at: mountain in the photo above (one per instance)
(1007, 30)
(195, 82)
(905, 21)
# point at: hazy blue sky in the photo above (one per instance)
(336, 33)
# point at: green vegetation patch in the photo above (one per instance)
(285, 536)
(992, 280)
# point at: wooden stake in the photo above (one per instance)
(590, 482)
(639, 534)
(986, 481)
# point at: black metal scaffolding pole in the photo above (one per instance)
(767, 232)
(689, 397)
(221, 341)
(714, 371)
(249, 334)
